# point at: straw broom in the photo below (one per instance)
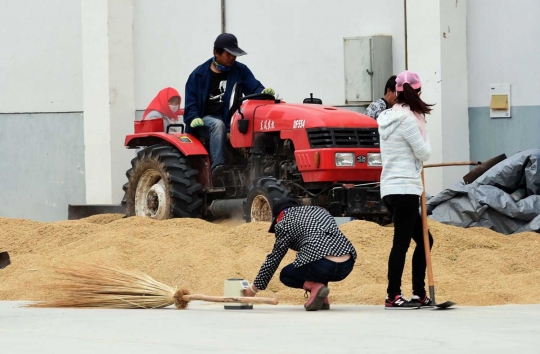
(112, 287)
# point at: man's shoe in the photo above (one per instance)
(398, 302)
(326, 304)
(318, 291)
(217, 170)
(422, 302)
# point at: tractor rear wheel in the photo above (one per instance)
(262, 194)
(162, 185)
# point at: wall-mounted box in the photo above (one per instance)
(500, 105)
(368, 65)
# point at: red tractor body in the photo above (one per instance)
(321, 155)
(315, 145)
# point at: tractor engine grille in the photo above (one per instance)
(343, 137)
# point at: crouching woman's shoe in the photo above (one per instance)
(326, 304)
(318, 292)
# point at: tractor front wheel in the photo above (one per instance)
(264, 192)
(162, 185)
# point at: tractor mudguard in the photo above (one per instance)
(187, 144)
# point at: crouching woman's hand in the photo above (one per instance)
(251, 291)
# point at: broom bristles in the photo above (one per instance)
(111, 287)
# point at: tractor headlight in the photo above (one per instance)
(344, 159)
(374, 159)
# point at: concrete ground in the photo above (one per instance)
(204, 328)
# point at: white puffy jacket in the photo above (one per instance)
(403, 149)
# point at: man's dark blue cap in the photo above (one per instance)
(229, 42)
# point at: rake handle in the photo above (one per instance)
(426, 242)
(243, 300)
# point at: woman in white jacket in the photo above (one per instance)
(404, 145)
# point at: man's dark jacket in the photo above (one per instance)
(198, 87)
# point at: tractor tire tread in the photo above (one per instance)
(274, 188)
(184, 191)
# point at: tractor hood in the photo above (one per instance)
(314, 116)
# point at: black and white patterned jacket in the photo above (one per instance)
(376, 108)
(309, 230)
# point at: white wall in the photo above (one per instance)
(296, 47)
(503, 47)
(171, 38)
(41, 56)
(454, 98)
(437, 52)
(121, 90)
(97, 127)
(108, 70)
(424, 47)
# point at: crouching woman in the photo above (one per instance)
(324, 254)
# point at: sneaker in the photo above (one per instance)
(399, 303)
(422, 303)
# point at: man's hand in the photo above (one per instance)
(249, 293)
(269, 91)
(197, 122)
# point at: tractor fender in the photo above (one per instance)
(187, 144)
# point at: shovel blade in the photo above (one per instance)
(4, 260)
(445, 305)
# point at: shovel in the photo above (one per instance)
(446, 304)
(4, 260)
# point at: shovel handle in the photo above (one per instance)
(243, 300)
(443, 164)
(426, 242)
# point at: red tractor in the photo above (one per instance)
(320, 155)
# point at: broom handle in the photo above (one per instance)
(426, 242)
(244, 300)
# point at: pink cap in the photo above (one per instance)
(408, 77)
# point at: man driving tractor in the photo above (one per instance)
(209, 87)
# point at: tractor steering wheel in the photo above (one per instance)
(258, 96)
(236, 101)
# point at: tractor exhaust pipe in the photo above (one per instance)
(226, 208)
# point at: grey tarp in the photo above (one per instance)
(506, 198)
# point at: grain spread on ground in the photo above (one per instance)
(473, 266)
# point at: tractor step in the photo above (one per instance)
(215, 190)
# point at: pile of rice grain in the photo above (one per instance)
(472, 266)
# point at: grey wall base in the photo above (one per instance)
(41, 165)
(489, 137)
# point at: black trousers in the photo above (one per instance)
(407, 226)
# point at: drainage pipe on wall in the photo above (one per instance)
(223, 23)
(406, 48)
